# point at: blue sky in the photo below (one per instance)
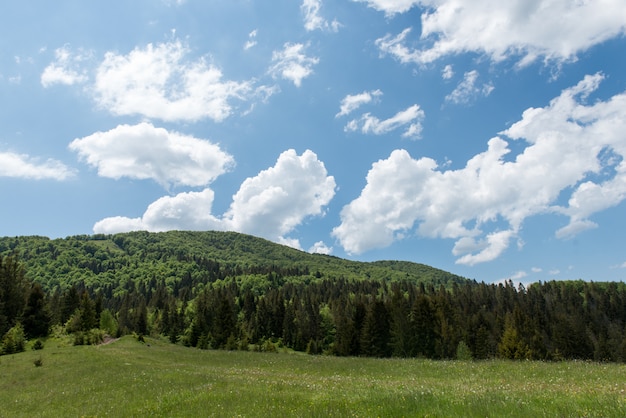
(486, 139)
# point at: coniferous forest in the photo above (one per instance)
(224, 290)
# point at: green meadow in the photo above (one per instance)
(130, 378)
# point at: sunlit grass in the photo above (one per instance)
(128, 378)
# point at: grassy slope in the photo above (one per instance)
(127, 378)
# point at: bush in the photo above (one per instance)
(38, 345)
(463, 352)
(91, 337)
(14, 341)
(38, 362)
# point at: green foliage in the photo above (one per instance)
(13, 290)
(188, 259)
(36, 318)
(463, 352)
(38, 345)
(91, 337)
(108, 323)
(14, 341)
(226, 290)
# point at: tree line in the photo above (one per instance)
(336, 316)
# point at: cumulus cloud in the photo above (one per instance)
(159, 82)
(145, 152)
(390, 7)
(67, 68)
(313, 19)
(277, 200)
(467, 89)
(271, 204)
(447, 73)
(189, 211)
(292, 64)
(411, 116)
(26, 167)
(483, 205)
(320, 248)
(500, 30)
(353, 101)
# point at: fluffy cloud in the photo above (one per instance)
(23, 166)
(190, 211)
(411, 116)
(500, 30)
(467, 89)
(483, 205)
(66, 68)
(391, 7)
(292, 64)
(320, 248)
(145, 152)
(353, 101)
(271, 204)
(158, 82)
(447, 73)
(278, 199)
(312, 18)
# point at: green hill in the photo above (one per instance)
(184, 258)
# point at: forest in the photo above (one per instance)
(224, 290)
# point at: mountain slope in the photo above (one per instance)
(195, 257)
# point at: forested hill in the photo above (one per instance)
(191, 260)
(234, 291)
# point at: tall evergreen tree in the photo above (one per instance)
(36, 317)
(13, 291)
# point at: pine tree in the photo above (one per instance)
(36, 317)
(13, 291)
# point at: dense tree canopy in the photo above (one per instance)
(226, 290)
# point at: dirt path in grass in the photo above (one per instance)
(108, 340)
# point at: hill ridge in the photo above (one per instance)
(65, 261)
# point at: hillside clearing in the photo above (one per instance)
(129, 378)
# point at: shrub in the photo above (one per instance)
(91, 337)
(463, 352)
(14, 341)
(38, 362)
(38, 345)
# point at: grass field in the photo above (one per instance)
(128, 378)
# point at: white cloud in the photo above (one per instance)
(292, 64)
(23, 166)
(277, 200)
(447, 73)
(251, 40)
(500, 30)
(411, 116)
(186, 211)
(320, 248)
(483, 205)
(390, 7)
(145, 152)
(312, 18)
(158, 82)
(467, 89)
(536, 269)
(271, 204)
(353, 101)
(66, 68)
(518, 275)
